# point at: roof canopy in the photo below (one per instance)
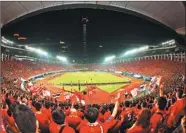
(171, 14)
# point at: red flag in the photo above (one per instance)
(73, 99)
(61, 97)
(79, 95)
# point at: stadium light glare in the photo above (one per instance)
(30, 48)
(61, 42)
(6, 41)
(39, 51)
(133, 51)
(168, 42)
(61, 58)
(110, 58)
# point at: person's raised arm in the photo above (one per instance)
(161, 90)
(116, 106)
(72, 105)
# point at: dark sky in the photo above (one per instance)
(115, 31)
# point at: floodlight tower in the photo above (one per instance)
(84, 22)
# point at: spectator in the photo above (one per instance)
(142, 125)
(177, 110)
(93, 125)
(160, 115)
(42, 118)
(58, 124)
(25, 119)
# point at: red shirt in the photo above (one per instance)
(156, 118)
(67, 112)
(11, 99)
(80, 114)
(126, 112)
(55, 128)
(47, 112)
(73, 120)
(43, 120)
(176, 111)
(101, 117)
(107, 115)
(4, 113)
(154, 109)
(98, 127)
(83, 123)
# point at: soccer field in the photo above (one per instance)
(89, 77)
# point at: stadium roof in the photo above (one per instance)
(172, 14)
(124, 25)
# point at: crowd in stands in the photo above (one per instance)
(162, 112)
(15, 69)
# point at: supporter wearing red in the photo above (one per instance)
(58, 124)
(142, 125)
(138, 110)
(127, 115)
(177, 110)
(107, 114)
(73, 119)
(159, 116)
(182, 127)
(93, 126)
(80, 112)
(42, 118)
(173, 100)
(101, 115)
(46, 110)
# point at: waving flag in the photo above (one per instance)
(134, 92)
(46, 93)
(155, 81)
(78, 94)
(142, 87)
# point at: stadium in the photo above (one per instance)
(93, 67)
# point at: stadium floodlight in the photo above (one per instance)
(61, 58)
(6, 41)
(39, 51)
(61, 42)
(133, 51)
(169, 42)
(110, 58)
(30, 48)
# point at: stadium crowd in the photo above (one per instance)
(161, 111)
(15, 69)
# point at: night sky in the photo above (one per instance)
(115, 31)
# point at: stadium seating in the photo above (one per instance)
(24, 69)
(147, 114)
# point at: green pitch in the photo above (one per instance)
(89, 77)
